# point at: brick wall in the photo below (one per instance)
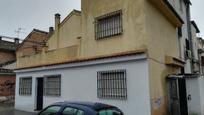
(31, 44)
(7, 85)
(7, 56)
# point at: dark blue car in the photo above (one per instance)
(80, 108)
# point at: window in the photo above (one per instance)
(52, 85)
(187, 44)
(112, 84)
(179, 31)
(25, 86)
(52, 110)
(72, 111)
(80, 112)
(109, 112)
(108, 25)
(202, 60)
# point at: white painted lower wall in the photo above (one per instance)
(80, 84)
(195, 88)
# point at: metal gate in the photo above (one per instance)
(174, 102)
(177, 96)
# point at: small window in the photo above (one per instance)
(179, 31)
(52, 85)
(202, 60)
(112, 84)
(51, 110)
(25, 86)
(187, 44)
(72, 111)
(108, 25)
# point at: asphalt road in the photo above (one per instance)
(8, 109)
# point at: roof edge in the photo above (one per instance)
(129, 53)
(195, 25)
(73, 12)
(173, 10)
(188, 2)
(28, 36)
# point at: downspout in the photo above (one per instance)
(188, 16)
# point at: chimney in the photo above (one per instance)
(16, 41)
(0, 40)
(51, 29)
(57, 21)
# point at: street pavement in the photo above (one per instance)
(8, 109)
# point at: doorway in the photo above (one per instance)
(183, 96)
(39, 103)
(177, 96)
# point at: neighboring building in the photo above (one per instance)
(195, 81)
(124, 54)
(197, 48)
(7, 82)
(7, 52)
(182, 7)
(33, 43)
(7, 76)
(190, 81)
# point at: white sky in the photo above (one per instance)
(29, 14)
(39, 14)
(197, 14)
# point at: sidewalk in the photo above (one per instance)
(8, 109)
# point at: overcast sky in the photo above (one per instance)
(29, 14)
(197, 14)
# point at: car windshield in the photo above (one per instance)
(109, 112)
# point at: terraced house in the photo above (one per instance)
(7, 65)
(116, 52)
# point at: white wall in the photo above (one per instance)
(80, 84)
(195, 88)
(201, 82)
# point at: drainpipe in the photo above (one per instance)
(188, 16)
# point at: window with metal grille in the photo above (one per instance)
(108, 25)
(25, 86)
(52, 85)
(112, 84)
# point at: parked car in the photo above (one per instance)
(80, 108)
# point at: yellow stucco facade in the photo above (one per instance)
(67, 33)
(147, 24)
(133, 36)
(162, 42)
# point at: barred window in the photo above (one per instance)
(25, 86)
(112, 84)
(52, 85)
(108, 25)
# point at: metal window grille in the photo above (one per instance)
(25, 86)
(112, 84)
(52, 85)
(108, 25)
